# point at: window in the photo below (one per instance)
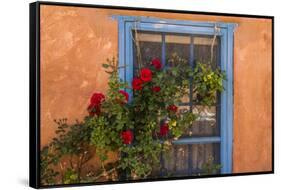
(212, 133)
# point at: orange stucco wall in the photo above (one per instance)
(76, 41)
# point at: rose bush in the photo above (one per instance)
(139, 129)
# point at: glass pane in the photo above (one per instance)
(190, 159)
(196, 99)
(185, 98)
(206, 123)
(177, 45)
(204, 157)
(202, 50)
(147, 46)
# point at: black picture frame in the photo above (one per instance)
(34, 93)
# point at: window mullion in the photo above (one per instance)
(198, 140)
(191, 60)
(162, 169)
(163, 58)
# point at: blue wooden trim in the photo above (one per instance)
(129, 71)
(227, 100)
(223, 148)
(197, 140)
(152, 20)
(121, 47)
(191, 59)
(229, 90)
(185, 104)
(127, 23)
(149, 27)
(163, 51)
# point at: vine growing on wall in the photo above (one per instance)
(137, 127)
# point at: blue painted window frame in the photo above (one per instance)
(126, 24)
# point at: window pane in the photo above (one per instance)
(206, 123)
(150, 47)
(185, 98)
(202, 49)
(203, 154)
(191, 159)
(196, 99)
(179, 45)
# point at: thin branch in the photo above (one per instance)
(102, 174)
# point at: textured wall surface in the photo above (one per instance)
(76, 41)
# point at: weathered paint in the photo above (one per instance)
(76, 41)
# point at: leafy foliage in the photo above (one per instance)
(207, 83)
(72, 142)
(138, 128)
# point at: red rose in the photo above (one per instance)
(156, 88)
(127, 136)
(173, 108)
(156, 63)
(137, 84)
(164, 129)
(146, 74)
(95, 104)
(125, 94)
(97, 98)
